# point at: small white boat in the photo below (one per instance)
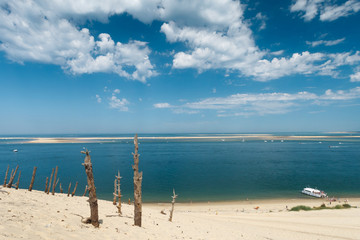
(314, 192)
(15, 150)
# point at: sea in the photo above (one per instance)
(198, 169)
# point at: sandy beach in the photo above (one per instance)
(36, 215)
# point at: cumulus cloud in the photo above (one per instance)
(328, 12)
(325, 42)
(266, 103)
(38, 31)
(355, 77)
(119, 104)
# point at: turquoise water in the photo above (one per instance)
(199, 170)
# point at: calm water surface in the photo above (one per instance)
(198, 170)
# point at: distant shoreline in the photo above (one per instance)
(232, 137)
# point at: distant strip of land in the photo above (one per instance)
(227, 137)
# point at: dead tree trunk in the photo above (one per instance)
(51, 176)
(73, 193)
(54, 184)
(69, 189)
(119, 193)
(12, 177)
(46, 184)
(115, 195)
(61, 190)
(86, 189)
(172, 205)
(137, 186)
(32, 179)
(6, 174)
(94, 214)
(17, 183)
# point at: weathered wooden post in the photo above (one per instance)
(61, 190)
(69, 189)
(51, 176)
(73, 193)
(32, 179)
(18, 180)
(137, 185)
(46, 184)
(94, 214)
(86, 189)
(55, 183)
(172, 205)
(12, 177)
(6, 174)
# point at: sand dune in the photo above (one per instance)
(36, 215)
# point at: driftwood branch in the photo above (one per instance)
(174, 196)
(6, 174)
(137, 185)
(55, 183)
(114, 199)
(12, 177)
(61, 190)
(94, 214)
(32, 179)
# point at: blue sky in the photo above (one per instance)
(179, 66)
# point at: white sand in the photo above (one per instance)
(36, 215)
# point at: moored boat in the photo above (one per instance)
(314, 192)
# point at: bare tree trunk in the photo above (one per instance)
(172, 205)
(137, 186)
(114, 200)
(51, 176)
(54, 184)
(17, 183)
(94, 214)
(6, 174)
(73, 193)
(119, 193)
(86, 189)
(12, 177)
(61, 190)
(46, 184)
(32, 179)
(69, 189)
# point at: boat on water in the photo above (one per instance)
(314, 192)
(15, 150)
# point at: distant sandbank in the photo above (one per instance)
(227, 137)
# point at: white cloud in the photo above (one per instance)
(265, 103)
(325, 42)
(162, 105)
(98, 98)
(116, 91)
(38, 31)
(119, 104)
(327, 11)
(332, 13)
(355, 77)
